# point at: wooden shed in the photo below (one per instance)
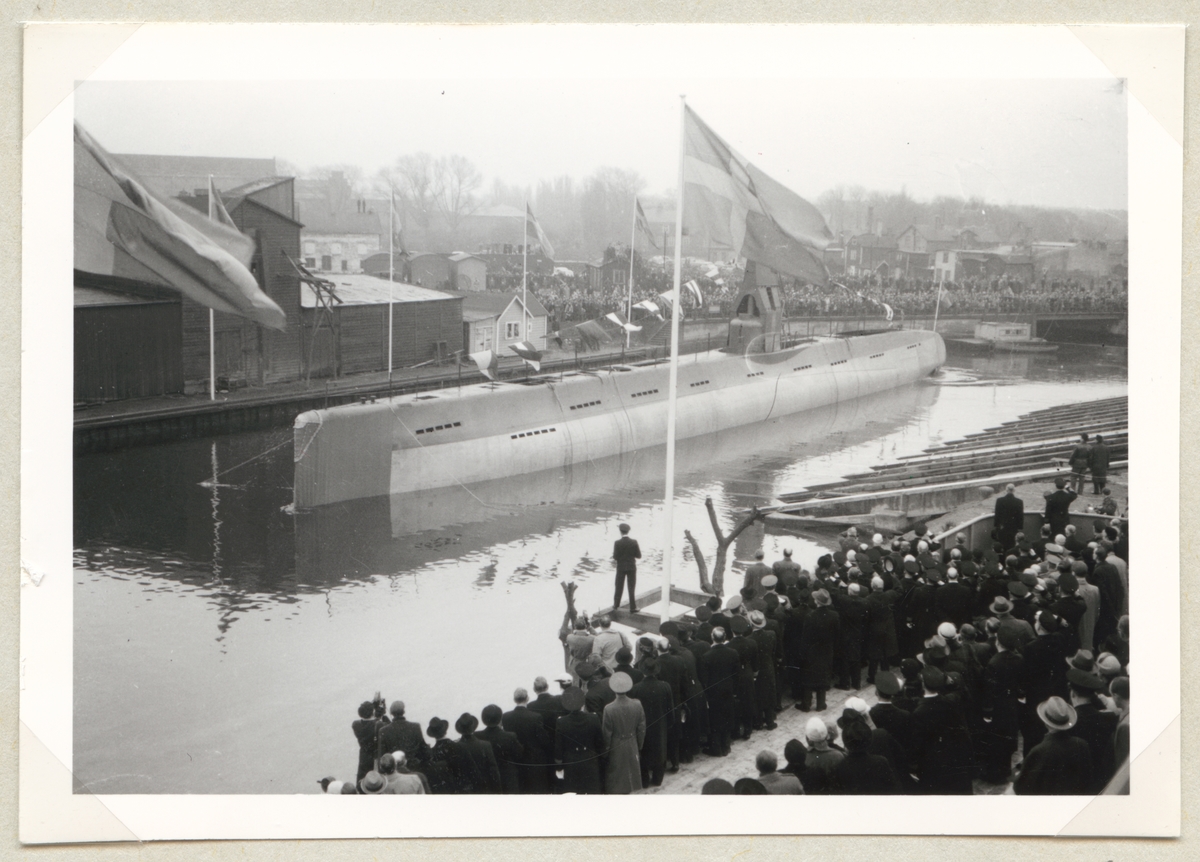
(468, 272)
(351, 338)
(127, 340)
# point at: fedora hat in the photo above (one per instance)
(821, 597)
(621, 682)
(1083, 679)
(1000, 606)
(1057, 714)
(466, 723)
(373, 782)
(1082, 660)
(704, 613)
(739, 625)
(437, 727)
(757, 619)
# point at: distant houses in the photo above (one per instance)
(493, 321)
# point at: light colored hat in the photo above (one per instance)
(620, 682)
(400, 757)
(769, 582)
(922, 546)
(877, 539)
(815, 730)
(1057, 714)
(735, 601)
(947, 630)
(851, 556)
(821, 597)
(334, 788)
(373, 782)
(857, 704)
(757, 619)
(1108, 664)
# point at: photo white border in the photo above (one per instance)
(58, 54)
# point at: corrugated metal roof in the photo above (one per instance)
(355, 289)
(495, 302)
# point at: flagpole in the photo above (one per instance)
(525, 278)
(391, 275)
(629, 304)
(673, 382)
(212, 326)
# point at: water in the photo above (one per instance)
(223, 645)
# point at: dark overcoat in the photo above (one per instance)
(655, 698)
(818, 642)
(579, 747)
(1059, 765)
(478, 770)
(942, 748)
(881, 625)
(507, 749)
(535, 745)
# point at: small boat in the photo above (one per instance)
(1011, 338)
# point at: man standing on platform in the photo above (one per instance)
(626, 552)
(1081, 460)
(787, 564)
(1009, 518)
(754, 575)
(1099, 464)
(1057, 505)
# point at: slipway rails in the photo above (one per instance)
(922, 486)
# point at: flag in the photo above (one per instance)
(642, 224)
(547, 249)
(695, 291)
(124, 229)
(529, 353)
(216, 207)
(488, 362)
(742, 207)
(647, 305)
(592, 333)
(621, 322)
(888, 309)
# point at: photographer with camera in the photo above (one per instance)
(371, 716)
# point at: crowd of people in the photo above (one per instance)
(973, 655)
(572, 300)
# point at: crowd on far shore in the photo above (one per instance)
(572, 300)
(1001, 667)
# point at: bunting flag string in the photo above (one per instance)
(487, 361)
(528, 353)
(621, 322)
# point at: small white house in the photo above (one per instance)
(493, 321)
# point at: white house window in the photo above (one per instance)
(310, 248)
(512, 329)
(310, 262)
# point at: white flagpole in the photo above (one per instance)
(673, 385)
(391, 274)
(525, 279)
(629, 304)
(212, 327)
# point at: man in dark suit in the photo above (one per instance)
(719, 668)
(1009, 518)
(505, 746)
(892, 718)
(1080, 459)
(1057, 504)
(479, 772)
(579, 746)
(535, 771)
(655, 697)
(941, 743)
(1099, 464)
(548, 706)
(818, 644)
(954, 600)
(626, 552)
(402, 735)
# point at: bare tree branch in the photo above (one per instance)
(701, 564)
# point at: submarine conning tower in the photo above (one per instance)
(757, 323)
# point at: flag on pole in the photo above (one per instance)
(547, 249)
(218, 211)
(487, 361)
(694, 289)
(122, 228)
(642, 224)
(742, 207)
(397, 224)
(621, 322)
(647, 305)
(530, 354)
(888, 310)
(592, 333)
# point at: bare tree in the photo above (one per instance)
(455, 182)
(415, 179)
(717, 585)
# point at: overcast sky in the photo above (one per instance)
(1045, 142)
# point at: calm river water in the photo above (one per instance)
(222, 645)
